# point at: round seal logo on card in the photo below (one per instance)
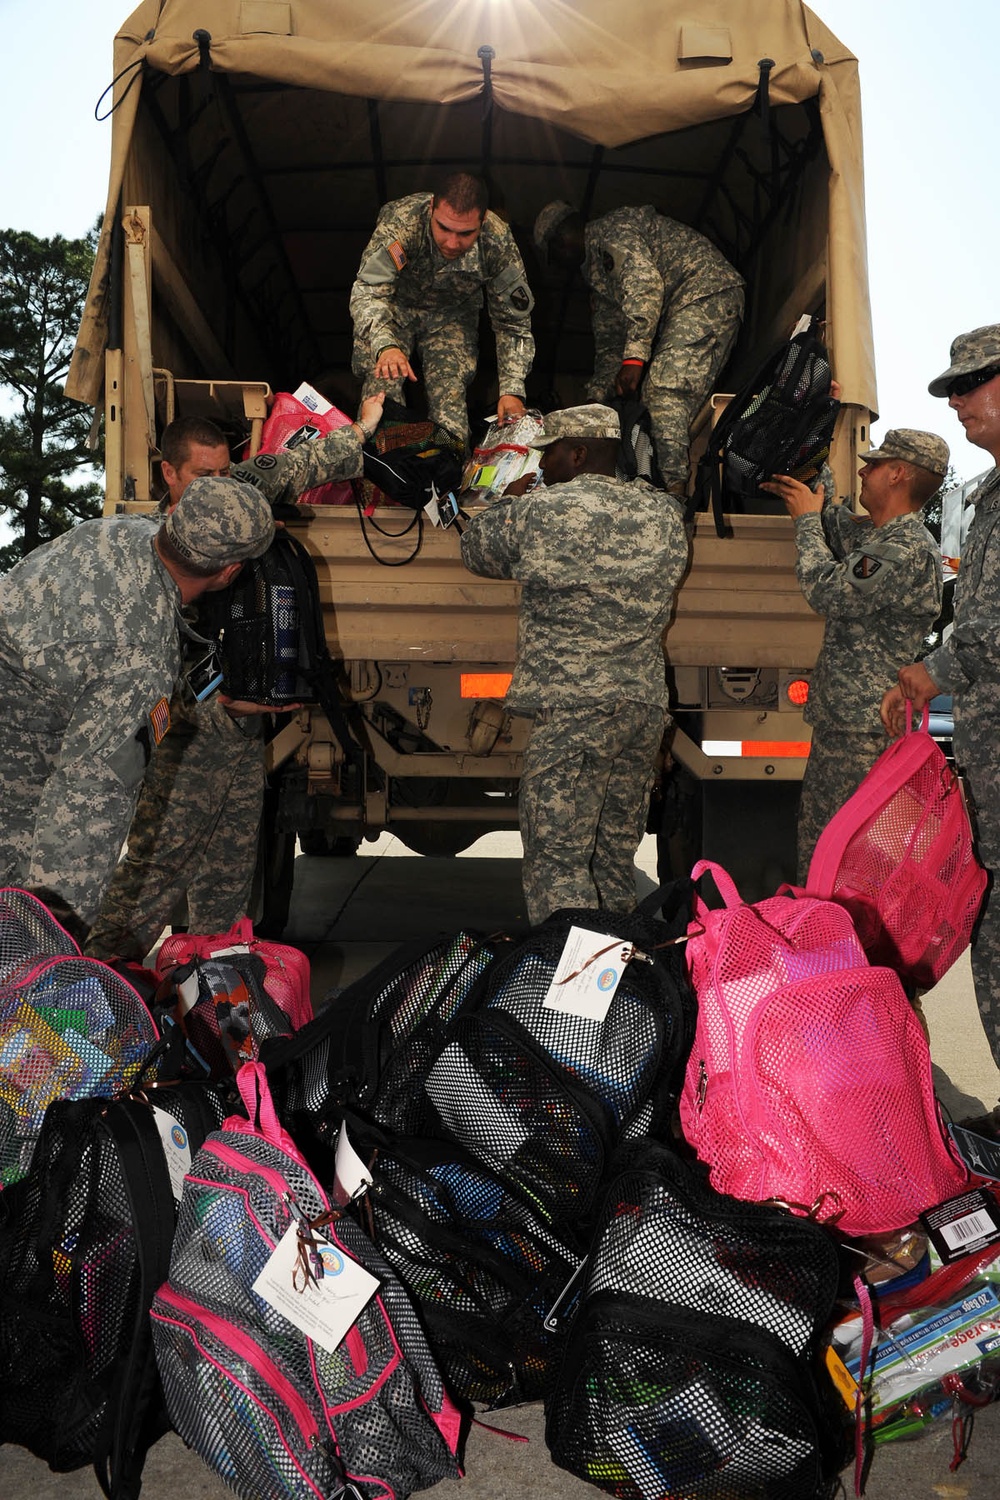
(333, 1263)
(178, 1136)
(607, 979)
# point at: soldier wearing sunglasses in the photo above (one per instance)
(967, 665)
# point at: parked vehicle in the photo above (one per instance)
(249, 159)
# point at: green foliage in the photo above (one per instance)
(43, 435)
(933, 509)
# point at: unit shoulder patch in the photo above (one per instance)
(159, 719)
(866, 567)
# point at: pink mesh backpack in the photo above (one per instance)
(809, 1081)
(288, 972)
(898, 855)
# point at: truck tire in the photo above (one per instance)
(317, 842)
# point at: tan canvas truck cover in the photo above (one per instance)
(253, 143)
(610, 74)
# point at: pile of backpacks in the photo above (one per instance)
(664, 1171)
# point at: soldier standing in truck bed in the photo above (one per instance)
(666, 308)
(420, 288)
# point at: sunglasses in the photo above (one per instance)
(963, 384)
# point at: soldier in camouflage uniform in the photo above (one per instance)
(666, 308)
(89, 650)
(196, 827)
(420, 287)
(599, 560)
(967, 665)
(878, 583)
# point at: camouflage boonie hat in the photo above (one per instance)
(921, 448)
(592, 421)
(548, 221)
(970, 353)
(220, 521)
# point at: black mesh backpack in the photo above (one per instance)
(781, 422)
(271, 638)
(691, 1366)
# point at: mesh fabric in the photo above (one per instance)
(70, 1027)
(810, 1077)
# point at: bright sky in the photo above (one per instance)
(928, 79)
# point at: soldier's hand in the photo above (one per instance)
(371, 413)
(509, 409)
(392, 364)
(799, 499)
(629, 379)
(241, 708)
(522, 485)
(893, 712)
(917, 684)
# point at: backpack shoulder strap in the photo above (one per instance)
(134, 1419)
(316, 662)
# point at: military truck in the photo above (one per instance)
(252, 146)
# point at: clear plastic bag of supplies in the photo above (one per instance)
(503, 456)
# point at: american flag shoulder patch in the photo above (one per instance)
(159, 719)
(398, 254)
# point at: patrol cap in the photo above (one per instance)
(218, 521)
(921, 448)
(548, 221)
(970, 353)
(592, 421)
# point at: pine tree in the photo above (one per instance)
(43, 435)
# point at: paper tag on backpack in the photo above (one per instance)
(589, 970)
(176, 1148)
(325, 1308)
(352, 1178)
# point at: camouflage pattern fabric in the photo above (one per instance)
(662, 293)
(970, 353)
(879, 588)
(88, 657)
(585, 786)
(599, 560)
(217, 521)
(837, 765)
(913, 446)
(196, 827)
(194, 833)
(968, 667)
(283, 477)
(409, 296)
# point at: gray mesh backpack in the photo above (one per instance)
(274, 1411)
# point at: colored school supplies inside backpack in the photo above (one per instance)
(690, 1367)
(809, 1080)
(899, 857)
(291, 1358)
(70, 1026)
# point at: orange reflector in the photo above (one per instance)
(485, 684)
(797, 692)
(775, 749)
